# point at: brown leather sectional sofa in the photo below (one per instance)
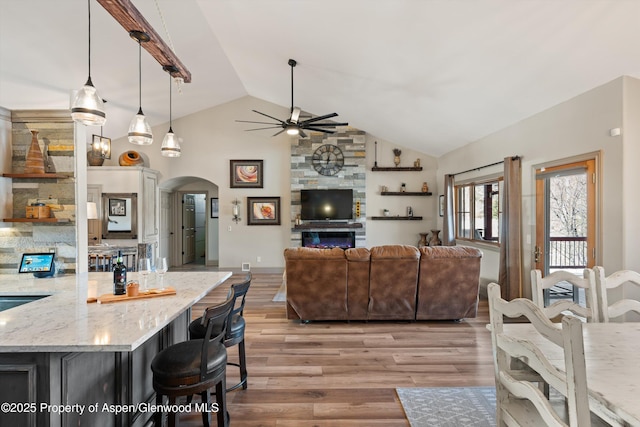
(391, 282)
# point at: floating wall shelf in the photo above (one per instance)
(49, 220)
(397, 218)
(397, 169)
(404, 193)
(35, 175)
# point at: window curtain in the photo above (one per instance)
(510, 272)
(448, 225)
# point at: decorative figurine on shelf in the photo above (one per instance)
(416, 163)
(396, 156)
(384, 189)
(403, 188)
(409, 211)
(425, 187)
(386, 212)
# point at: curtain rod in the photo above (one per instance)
(482, 167)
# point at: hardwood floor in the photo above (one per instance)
(338, 374)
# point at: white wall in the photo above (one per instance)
(210, 139)
(578, 126)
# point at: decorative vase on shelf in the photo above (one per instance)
(423, 239)
(435, 239)
(130, 158)
(396, 160)
(34, 160)
(93, 160)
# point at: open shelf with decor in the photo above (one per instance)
(397, 218)
(49, 220)
(405, 193)
(35, 175)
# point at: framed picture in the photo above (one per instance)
(441, 205)
(263, 210)
(246, 173)
(117, 207)
(214, 207)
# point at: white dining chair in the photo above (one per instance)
(519, 401)
(540, 284)
(605, 284)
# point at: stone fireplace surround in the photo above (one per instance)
(352, 175)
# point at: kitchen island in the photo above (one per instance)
(63, 358)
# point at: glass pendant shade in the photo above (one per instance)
(170, 145)
(139, 130)
(88, 107)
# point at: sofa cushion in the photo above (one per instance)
(393, 282)
(316, 283)
(449, 282)
(357, 282)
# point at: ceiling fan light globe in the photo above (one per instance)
(140, 131)
(87, 107)
(293, 130)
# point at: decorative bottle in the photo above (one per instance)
(119, 276)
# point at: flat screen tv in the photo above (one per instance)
(40, 264)
(323, 205)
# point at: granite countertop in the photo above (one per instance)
(65, 322)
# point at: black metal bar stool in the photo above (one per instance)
(235, 329)
(195, 366)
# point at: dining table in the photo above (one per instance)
(612, 358)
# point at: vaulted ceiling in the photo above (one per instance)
(432, 75)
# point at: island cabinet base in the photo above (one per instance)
(96, 389)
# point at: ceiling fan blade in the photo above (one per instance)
(278, 133)
(260, 123)
(269, 127)
(319, 129)
(302, 134)
(328, 125)
(295, 115)
(316, 119)
(271, 117)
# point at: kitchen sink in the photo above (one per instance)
(11, 301)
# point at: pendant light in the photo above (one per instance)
(139, 129)
(87, 107)
(170, 143)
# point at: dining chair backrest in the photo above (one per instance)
(615, 281)
(519, 400)
(587, 282)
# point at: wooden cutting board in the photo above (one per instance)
(154, 292)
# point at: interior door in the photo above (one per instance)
(188, 228)
(565, 222)
(166, 221)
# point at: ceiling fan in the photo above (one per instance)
(294, 125)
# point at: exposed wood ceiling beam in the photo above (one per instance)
(131, 19)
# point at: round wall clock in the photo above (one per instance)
(328, 159)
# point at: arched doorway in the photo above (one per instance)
(188, 235)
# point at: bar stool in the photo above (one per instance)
(195, 366)
(235, 329)
(100, 262)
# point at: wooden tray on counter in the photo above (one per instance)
(153, 292)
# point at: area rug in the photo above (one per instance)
(281, 295)
(449, 406)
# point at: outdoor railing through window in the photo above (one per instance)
(567, 253)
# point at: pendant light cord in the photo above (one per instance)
(89, 7)
(170, 105)
(140, 75)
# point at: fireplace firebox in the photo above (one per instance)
(329, 239)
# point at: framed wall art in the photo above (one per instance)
(246, 173)
(441, 205)
(214, 207)
(117, 207)
(263, 210)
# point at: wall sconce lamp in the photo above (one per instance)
(236, 211)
